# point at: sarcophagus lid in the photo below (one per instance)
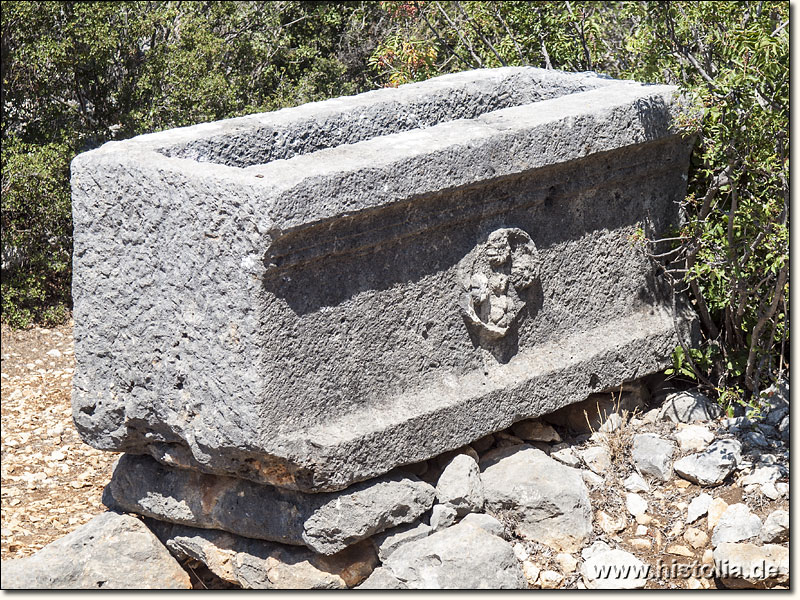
(314, 296)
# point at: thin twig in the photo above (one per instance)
(480, 34)
(762, 321)
(461, 37)
(439, 37)
(510, 35)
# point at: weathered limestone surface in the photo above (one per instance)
(260, 565)
(546, 501)
(302, 298)
(325, 522)
(112, 551)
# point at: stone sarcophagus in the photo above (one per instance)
(311, 297)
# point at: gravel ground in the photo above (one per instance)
(51, 480)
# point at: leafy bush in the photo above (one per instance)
(78, 74)
(36, 232)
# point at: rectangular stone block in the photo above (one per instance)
(311, 297)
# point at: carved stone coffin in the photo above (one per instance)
(311, 297)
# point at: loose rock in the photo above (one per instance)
(548, 501)
(652, 456)
(687, 407)
(325, 522)
(636, 483)
(597, 459)
(635, 504)
(611, 525)
(716, 509)
(696, 537)
(382, 579)
(698, 507)
(459, 557)
(442, 516)
(604, 568)
(746, 565)
(693, 438)
(390, 540)
(762, 475)
(641, 544)
(566, 562)
(776, 528)
(550, 580)
(531, 572)
(261, 565)
(566, 456)
(460, 486)
(485, 522)
(736, 524)
(112, 551)
(613, 423)
(711, 466)
(535, 431)
(592, 479)
(679, 550)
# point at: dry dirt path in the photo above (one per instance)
(51, 480)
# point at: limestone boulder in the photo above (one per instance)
(112, 551)
(460, 486)
(260, 565)
(713, 465)
(548, 501)
(459, 557)
(326, 522)
(745, 565)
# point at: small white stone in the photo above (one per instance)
(566, 456)
(636, 483)
(693, 438)
(442, 516)
(770, 491)
(641, 530)
(635, 504)
(597, 459)
(550, 580)
(520, 552)
(566, 562)
(698, 507)
(592, 479)
(611, 525)
(531, 572)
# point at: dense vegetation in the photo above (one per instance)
(76, 74)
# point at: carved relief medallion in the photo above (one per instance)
(493, 275)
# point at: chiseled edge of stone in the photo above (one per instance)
(360, 446)
(344, 106)
(354, 447)
(326, 184)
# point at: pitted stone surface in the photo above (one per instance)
(327, 523)
(280, 297)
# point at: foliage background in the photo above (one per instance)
(77, 74)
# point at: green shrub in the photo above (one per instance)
(36, 233)
(76, 74)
